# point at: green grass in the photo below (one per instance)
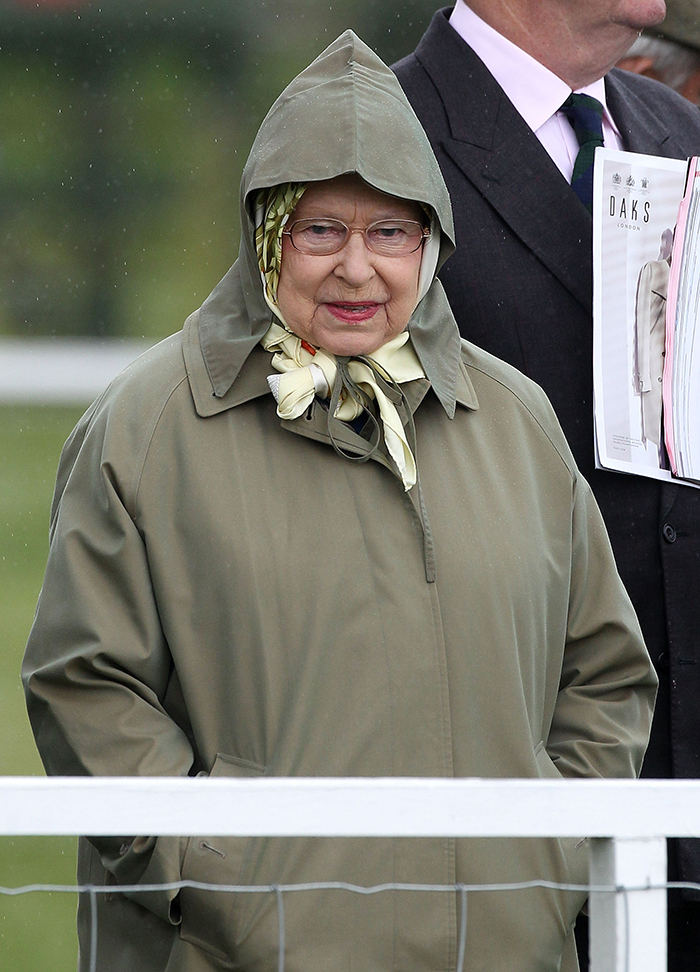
(37, 931)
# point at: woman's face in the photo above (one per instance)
(353, 301)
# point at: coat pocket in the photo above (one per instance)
(210, 918)
(574, 851)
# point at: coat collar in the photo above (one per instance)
(495, 149)
(243, 374)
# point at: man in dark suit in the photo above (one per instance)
(520, 285)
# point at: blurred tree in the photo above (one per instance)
(124, 126)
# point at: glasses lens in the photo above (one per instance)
(394, 237)
(319, 236)
(387, 237)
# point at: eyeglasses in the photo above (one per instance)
(386, 237)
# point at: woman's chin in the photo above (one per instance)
(352, 343)
(353, 338)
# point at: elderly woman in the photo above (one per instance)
(313, 534)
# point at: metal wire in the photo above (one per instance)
(93, 890)
(343, 886)
(626, 910)
(462, 929)
(280, 934)
(93, 929)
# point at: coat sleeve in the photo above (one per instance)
(97, 666)
(602, 717)
(642, 330)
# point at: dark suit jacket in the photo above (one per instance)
(520, 285)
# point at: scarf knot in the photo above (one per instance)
(351, 383)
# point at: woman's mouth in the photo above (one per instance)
(346, 310)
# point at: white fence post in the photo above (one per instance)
(628, 929)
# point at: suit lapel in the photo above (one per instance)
(641, 130)
(497, 151)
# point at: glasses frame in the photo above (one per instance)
(425, 235)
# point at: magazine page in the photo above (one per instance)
(671, 305)
(636, 202)
(682, 365)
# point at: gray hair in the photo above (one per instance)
(674, 63)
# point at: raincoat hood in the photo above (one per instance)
(345, 113)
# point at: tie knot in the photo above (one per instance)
(586, 117)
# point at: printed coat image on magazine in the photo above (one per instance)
(637, 250)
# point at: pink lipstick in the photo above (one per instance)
(353, 310)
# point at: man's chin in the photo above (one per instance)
(644, 13)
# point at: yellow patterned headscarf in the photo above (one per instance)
(273, 207)
(306, 371)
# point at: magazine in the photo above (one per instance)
(681, 385)
(645, 269)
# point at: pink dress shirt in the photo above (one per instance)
(534, 90)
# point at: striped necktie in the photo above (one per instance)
(586, 117)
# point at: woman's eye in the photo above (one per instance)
(388, 233)
(319, 229)
(319, 234)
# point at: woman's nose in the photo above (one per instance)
(355, 264)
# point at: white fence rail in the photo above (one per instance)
(61, 371)
(628, 821)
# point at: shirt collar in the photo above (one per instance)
(535, 91)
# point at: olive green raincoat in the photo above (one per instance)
(227, 595)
